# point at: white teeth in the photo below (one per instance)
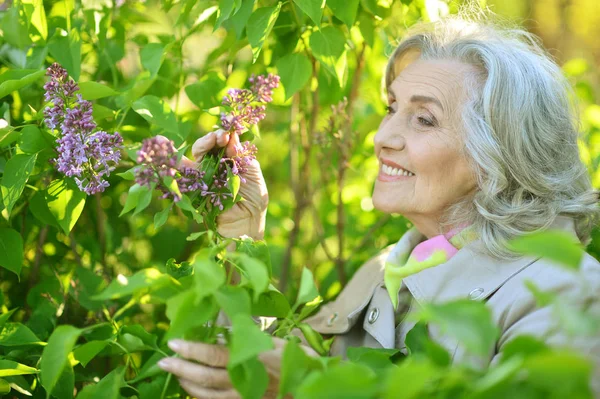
(388, 170)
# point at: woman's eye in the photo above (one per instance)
(389, 109)
(425, 121)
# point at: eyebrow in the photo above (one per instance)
(426, 99)
(421, 99)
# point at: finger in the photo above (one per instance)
(185, 161)
(211, 355)
(209, 377)
(222, 139)
(204, 393)
(233, 145)
(203, 145)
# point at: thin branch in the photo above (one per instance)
(369, 234)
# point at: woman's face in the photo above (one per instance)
(420, 135)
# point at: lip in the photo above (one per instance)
(395, 165)
(384, 177)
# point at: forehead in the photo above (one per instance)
(444, 79)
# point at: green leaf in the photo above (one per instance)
(295, 366)
(11, 250)
(138, 331)
(468, 321)
(205, 93)
(4, 387)
(247, 341)
(411, 379)
(346, 380)
(65, 202)
(16, 173)
(208, 275)
(14, 28)
(32, 139)
(107, 388)
(179, 271)
(345, 10)
(250, 378)
(271, 303)
(39, 208)
(129, 174)
(94, 90)
(328, 46)
(16, 334)
(377, 359)
(255, 271)
(257, 249)
(419, 343)
(312, 8)
(555, 245)
(8, 135)
(55, 356)
(144, 198)
(15, 79)
(133, 197)
(295, 71)
(240, 19)
(560, 373)
(86, 352)
(152, 56)
(8, 368)
(5, 316)
(66, 50)
(158, 112)
(234, 185)
(186, 313)
(37, 16)
(144, 279)
(259, 27)
(160, 218)
(225, 10)
(308, 290)
(233, 300)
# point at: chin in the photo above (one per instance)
(385, 205)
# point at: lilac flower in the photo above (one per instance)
(159, 159)
(263, 87)
(245, 108)
(83, 154)
(240, 162)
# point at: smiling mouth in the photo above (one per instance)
(393, 171)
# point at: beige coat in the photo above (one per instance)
(362, 315)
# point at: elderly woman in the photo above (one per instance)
(479, 145)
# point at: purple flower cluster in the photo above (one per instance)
(247, 107)
(159, 159)
(240, 162)
(83, 154)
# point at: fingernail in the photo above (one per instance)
(174, 345)
(164, 363)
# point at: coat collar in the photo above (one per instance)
(471, 273)
(468, 274)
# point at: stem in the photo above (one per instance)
(302, 189)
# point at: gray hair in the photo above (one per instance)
(519, 126)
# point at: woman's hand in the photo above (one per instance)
(202, 371)
(245, 217)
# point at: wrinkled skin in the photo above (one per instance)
(425, 138)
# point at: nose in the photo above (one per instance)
(389, 135)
